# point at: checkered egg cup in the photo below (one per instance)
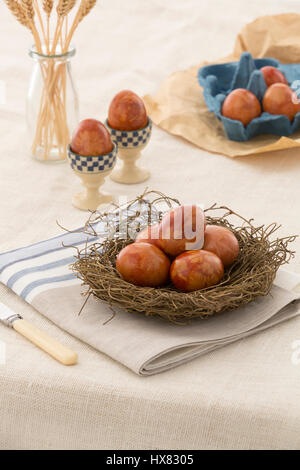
(93, 164)
(131, 139)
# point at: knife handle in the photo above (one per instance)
(57, 350)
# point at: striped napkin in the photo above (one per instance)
(41, 275)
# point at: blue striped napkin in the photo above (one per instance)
(42, 266)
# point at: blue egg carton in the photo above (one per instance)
(220, 79)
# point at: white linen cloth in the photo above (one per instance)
(243, 396)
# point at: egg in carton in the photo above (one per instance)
(219, 80)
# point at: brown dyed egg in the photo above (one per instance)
(281, 99)
(241, 105)
(182, 229)
(143, 264)
(222, 242)
(127, 112)
(273, 75)
(197, 269)
(149, 235)
(91, 138)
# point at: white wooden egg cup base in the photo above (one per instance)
(130, 173)
(91, 198)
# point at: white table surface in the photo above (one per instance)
(211, 402)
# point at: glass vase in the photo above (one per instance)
(52, 105)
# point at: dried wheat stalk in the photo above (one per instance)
(48, 6)
(84, 9)
(24, 12)
(64, 7)
(28, 9)
(18, 12)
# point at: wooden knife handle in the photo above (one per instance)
(57, 350)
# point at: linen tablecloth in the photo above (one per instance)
(246, 395)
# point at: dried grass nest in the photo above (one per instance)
(251, 275)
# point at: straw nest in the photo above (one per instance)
(251, 275)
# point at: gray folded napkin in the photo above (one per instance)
(151, 345)
(41, 275)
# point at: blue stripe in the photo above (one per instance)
(49, 280)
(55, 264)
(15, 257)
(41, 248)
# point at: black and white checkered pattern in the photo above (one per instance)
(95, 164)
(129, 139)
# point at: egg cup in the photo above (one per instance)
(92, 171)
(130, 145)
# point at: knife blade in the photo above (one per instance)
(45, 342)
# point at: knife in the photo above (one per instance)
(50, 345)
